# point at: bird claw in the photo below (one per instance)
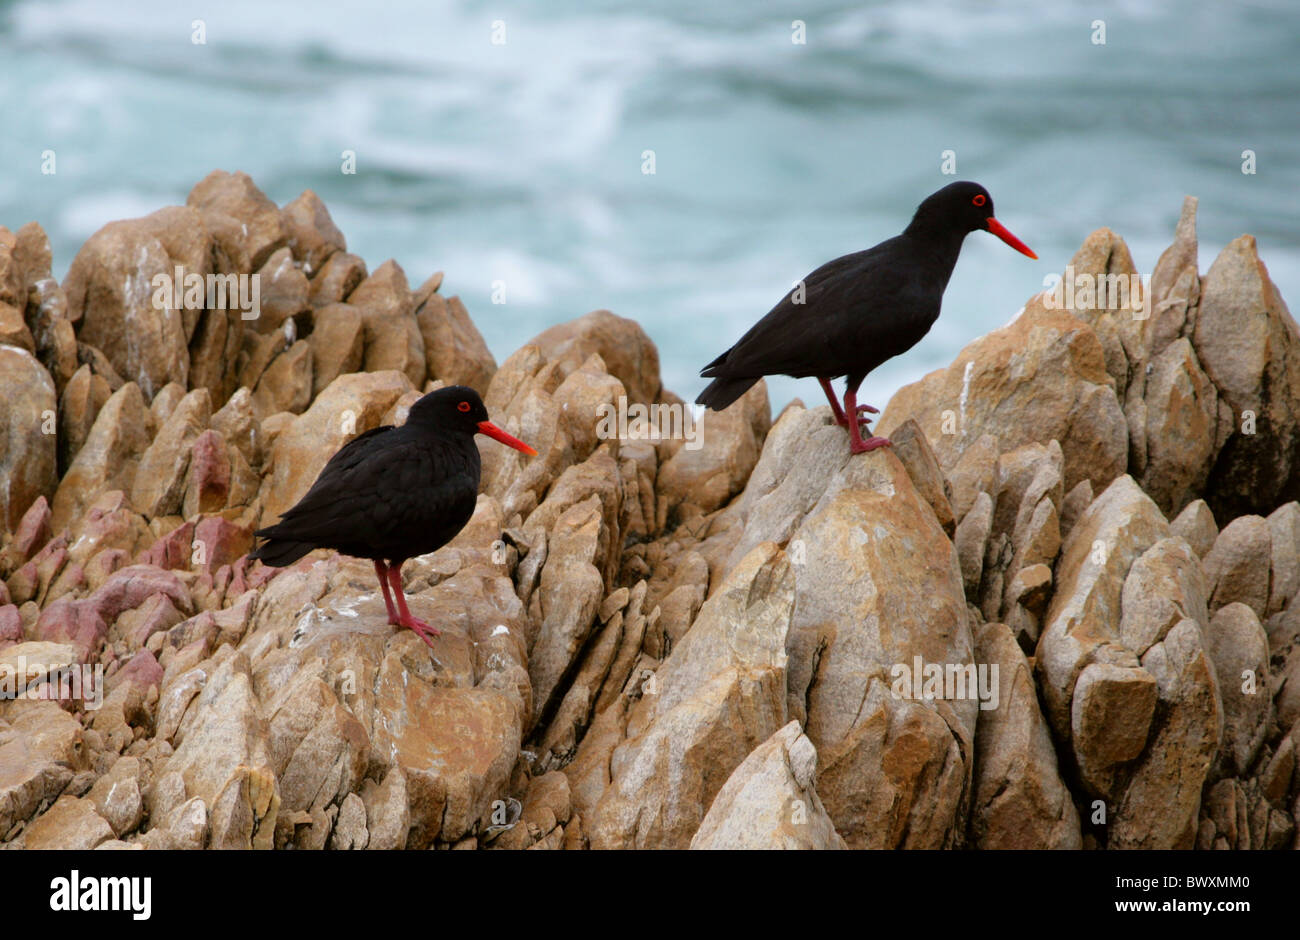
(870, 444)
(420, 628)
(863, 422)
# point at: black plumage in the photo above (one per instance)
(860, 310)
(393, 493)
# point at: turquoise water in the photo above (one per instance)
(522, 162)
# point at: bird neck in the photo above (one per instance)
(935, 241)
(457, 445)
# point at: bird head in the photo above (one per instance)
(967, 207)
(459, 408)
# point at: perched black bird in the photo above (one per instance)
(858, 311)
(393, 493)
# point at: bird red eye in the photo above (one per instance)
(463, 406)
(979, 199)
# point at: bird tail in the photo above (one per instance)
(279, 552)
(722, 391)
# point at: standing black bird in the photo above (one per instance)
(393, 493)
(858, 311)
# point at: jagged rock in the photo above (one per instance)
(41, 748)
(13, 289)
(1284, 534)
(286, 385)
(109, 457)
(1161, 801)
(1238, 567)
(974, 472)
(1196, 524)
(108, 523)
(1113, 708)
(387, 813)
(1163, 587)
(13, 329)
(28, 455)
(337, 278)
(854, 528)
(918, 457)
(1084, 615)
(454, 349)
(570, 590)
(313, 236)
(716, 455)
(208, 480)
(1019, 800)
(222, 756)
(350, 831)
(214, 351)
(1109, 297)
(164, 403)
(970, 540)
(769, 801)
(236, 422)
(1239, 648)
(245, 224)
(393, 339)
(529, 397)
(585, 394)
(31, 533)
(337, 344)
(1093, 683)
(635, 631)
(159, 483)
(1040, 378)
(1249, 346)
(283, 292)
(52, 331)
(116, 796)
(719, 695)
(113, 291)
(83, 397)
(1186, 426)
(1175, 284)
(71, 823)
(622, 345)
(318, 751)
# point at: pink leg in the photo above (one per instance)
(840, 419)
(856, 444)
(835, 403)
(381, 570)
(404, 618)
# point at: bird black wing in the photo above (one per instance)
(384, 492)
(851, 311)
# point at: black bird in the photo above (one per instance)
(393, 493)
(858, 311)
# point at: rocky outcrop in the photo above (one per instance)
(769, 801)
(1063, 611)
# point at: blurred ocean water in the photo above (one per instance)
(517, 166)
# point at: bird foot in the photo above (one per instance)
(870, 444)
(863, 421)
(419, 626)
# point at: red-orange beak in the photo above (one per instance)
(1000, 230)
(492, 431)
